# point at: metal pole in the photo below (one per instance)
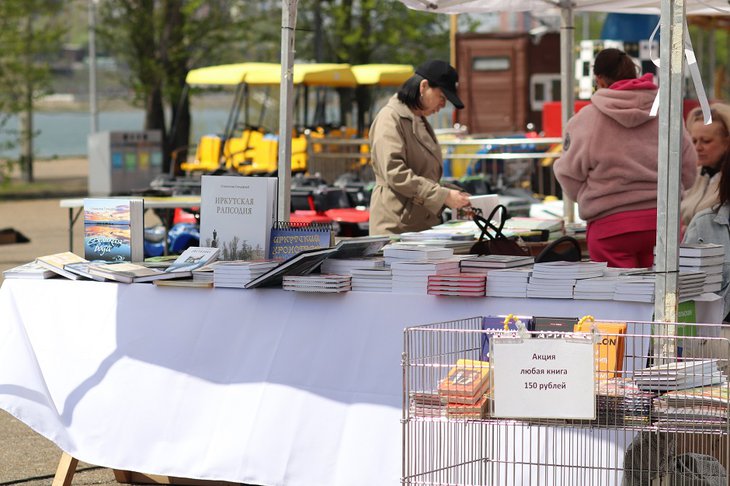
(567, 83)
(671, 50)
(286, 105)
(93, 109)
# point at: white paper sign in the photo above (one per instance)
(543, 378)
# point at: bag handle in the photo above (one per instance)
(486, 224)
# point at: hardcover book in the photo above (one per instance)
(57, 261)
(114, 229)
(496, 323)
(237, 214)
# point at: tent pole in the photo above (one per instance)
(286, 105)
(671, 49)
(567, 82)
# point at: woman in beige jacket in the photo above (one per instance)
(712, 143)
(406, 155)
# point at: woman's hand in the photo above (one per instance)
(457, 199)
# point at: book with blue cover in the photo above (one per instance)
(113, 229)
(497, 323)
(289, 238)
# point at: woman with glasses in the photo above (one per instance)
(712, 143)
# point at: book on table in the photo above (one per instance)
(57, 261)
(114, 229)
(237, 214)
(289, 238)
(126, 272)
(193, 258)
(32, 270)
(701, 250)
(303, 263)
(466, 382)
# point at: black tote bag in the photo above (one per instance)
(492, 241)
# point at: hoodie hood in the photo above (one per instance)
(629, 107)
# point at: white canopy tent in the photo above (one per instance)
(673, 14)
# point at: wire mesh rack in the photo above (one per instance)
(660, 413)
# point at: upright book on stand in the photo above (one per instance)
(237, 214)
(114, 229)
(289, 238)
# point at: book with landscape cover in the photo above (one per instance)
(289, 238)
(466, 382)
(114, 229)
(237, 214)
(193, 258)
(303, 263)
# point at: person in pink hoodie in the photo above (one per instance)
(609, 163)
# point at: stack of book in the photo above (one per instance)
(596, 288)
(703, 257)
(699, 407)
(527, 226)
(508, 283)
(344, 266)
(32, 270)
(458, 284)
(555, 280)
(320, 283)
(680, 375)
(57, 262)
(126, 272)
(372, 279)
(466, 389)
(399, 252)
(411, 277)
(427, 404)
(620, 402)
(237, 274)
(484, 263)
(639, 287)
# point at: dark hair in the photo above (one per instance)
(724, 187)
(614, 65)
(410, 92)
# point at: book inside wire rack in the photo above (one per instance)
(660, 407)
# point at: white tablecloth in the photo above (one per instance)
(261, 386)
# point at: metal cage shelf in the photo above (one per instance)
(643, 433)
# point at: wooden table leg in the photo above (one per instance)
(65, 470)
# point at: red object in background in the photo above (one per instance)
(552, 125)
(185, 216)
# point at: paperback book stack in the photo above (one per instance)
(457, 284)
(704, 257)
(345, 266)
(484, 263)
(699, 407)
(237, 274)
(639, 287)
(556, 280)
(621, 402)
(680, 375)
(411, 277)
(597, 288)
(508, 283)
(378, 279)
(466, 389)
(400, 252)
(427, 404)
(320, 283)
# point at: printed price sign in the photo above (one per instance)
(543, 378)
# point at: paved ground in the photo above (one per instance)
(26, 458)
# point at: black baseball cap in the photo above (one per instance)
(442, 75)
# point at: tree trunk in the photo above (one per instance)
(26, 130)
(155, 115)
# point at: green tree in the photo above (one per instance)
(369, 31)
(160, 41)
(30, 35)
